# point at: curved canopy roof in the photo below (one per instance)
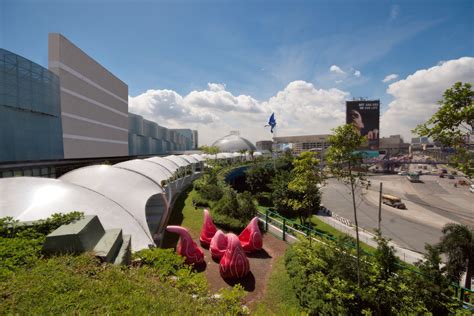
(189, 159)
(198, 157)
(168, 164)
(178, 160)
(232, 143)
(129, 189)
(152, 170)
(30, 199)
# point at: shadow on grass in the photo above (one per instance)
(248, 282)
(170, 240)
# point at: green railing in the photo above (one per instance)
(285, 225)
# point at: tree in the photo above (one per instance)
(343, 161)
(458, 244)
(304, 186)
(210, 150)
(453, 124)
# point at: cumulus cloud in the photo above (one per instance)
(390, 77)
(415, 97)
(300, 108)
(357, 73)
(336, 69)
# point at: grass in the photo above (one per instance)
(81, 285)
(279, 298)
(184, 214)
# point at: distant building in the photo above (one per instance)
(299, 144)
(264, 145)
(393, 145)
(233, 143)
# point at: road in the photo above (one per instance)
(430, 206)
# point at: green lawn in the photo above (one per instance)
(279, 298)
(184, 214)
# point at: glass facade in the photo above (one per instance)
(30, 113)
(148, 138)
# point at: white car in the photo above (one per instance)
(403, 173)
(471, 188)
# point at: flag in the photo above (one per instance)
(271, 122)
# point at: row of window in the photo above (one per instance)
(45, 172)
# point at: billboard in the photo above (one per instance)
(365, 116)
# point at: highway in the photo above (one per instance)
(430, 205)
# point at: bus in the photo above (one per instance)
(393, 201)
(413, 177)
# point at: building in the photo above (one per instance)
(264, 145)
(394, 145)
(299, 144)
(233, 143)
(76, 109)
(30, 111)
(148, 138)
(94, 103)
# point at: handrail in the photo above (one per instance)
(285, 221)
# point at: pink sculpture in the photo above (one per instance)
(208, 230)
(251, 237)
(218, 245)
(187, 247)
(234, 264)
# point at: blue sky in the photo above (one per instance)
(255, 48)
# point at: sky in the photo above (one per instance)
(221, 66)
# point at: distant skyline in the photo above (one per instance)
(218, 66)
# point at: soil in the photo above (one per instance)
(261, 264)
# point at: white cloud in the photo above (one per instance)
(300, 108)
(357, 73)
(415, 98)
(394, 12)
(336, 69)
(390, 77)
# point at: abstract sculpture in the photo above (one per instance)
(251, 237)
(218, 245)
(186, 246)
(234, 264)
(208, 230)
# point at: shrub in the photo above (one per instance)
(234, 211)
(165, 261)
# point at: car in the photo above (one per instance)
(451, 176)
(454, 172)
(444, 171)
(441, 175)
(403, 173)
(471, 189)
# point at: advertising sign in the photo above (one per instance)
(365, 115)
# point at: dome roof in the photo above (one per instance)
(232, 143)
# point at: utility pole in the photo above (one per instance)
(380, 208)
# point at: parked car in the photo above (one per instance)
(471, 189)
(441, 175)
(454, 172)
(451, 176)
(444, 171)
(403, 173)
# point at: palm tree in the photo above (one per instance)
(458, 244)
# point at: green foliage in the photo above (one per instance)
(324, 279)
(20, 243)
(81, 285)
(166, 261)
(306, 178)
(453, 122)
(458, 245)
(257, 177)
(233, 211)
(210, 150)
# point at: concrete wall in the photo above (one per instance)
(94, 103)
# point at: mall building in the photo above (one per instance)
(299, 144)
(74, 109)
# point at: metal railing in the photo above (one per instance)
(286, 229)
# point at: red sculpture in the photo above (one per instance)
(208, 230)
(234, 264)
(218, 245)
(186, 246)
(251, 237)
